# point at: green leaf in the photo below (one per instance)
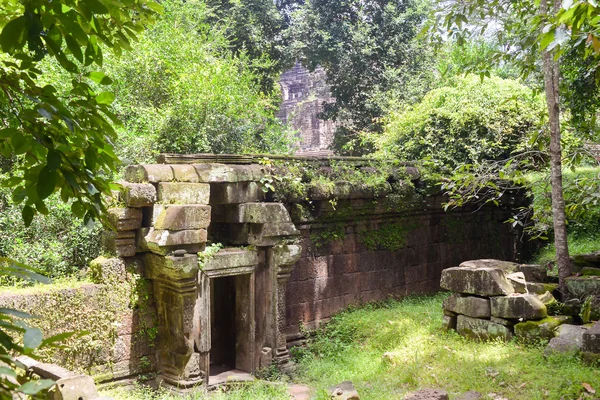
(15, 313)
(33, 338)
(53, 160)
(155, 7)
(34, 387)
(105, 98)
(99, 77)
(59, 338)
(14, 35)
(74, 48)
(8, 132)
(27, 214)
(46, 182)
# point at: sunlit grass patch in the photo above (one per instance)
(401, 347)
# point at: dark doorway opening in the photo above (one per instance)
(223, 323)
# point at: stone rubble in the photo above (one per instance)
(492, 300)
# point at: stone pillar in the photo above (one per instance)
(176, 291)
(281, 259)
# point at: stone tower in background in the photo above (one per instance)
(303, 95)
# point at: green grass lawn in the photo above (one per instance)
(419, 355)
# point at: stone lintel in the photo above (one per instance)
(231, 259)
(171, 267)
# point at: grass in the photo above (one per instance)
(578, 244)
(580, 186)
(258, 390)
(418, 355)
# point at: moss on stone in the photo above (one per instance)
(530, 331)
(390, 236)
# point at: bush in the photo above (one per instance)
(181, 90)
(57, 244)
(468, 122)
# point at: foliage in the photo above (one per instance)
(63, 142)
(55, 244)
(300, 181)
(182, 90)
(468, 122)
(369, 52)
(389, 236)
(391, 348)
(256, 29)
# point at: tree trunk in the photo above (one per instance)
(551, 81)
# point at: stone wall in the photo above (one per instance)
(215, 249)
(117, 321)
(375, 256)
(303, 95)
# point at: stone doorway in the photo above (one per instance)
(231, 324)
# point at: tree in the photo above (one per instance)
(369, 52)
(256, 28)
(62, 143)
(550, 29)
(467, 122)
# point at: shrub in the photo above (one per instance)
(181, 90)
(468, 122)
(57, 244)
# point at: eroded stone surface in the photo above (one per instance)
(231, 258)
(163, 241)
(183, 193)
(236, 193)
(183, 217)
(506, 266)
(533, 272)
(125, 218)
(448, 322)
(471, 306)
(580, 286)
(171, 266)
(138, 194)
(524, 306)
(103, 270)
(481, 329)
(344, 391)
(591, 339)
(259, 213)
(152, 173)
(483, 281)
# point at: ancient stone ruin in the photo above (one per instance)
(495, 299)
(208, 276)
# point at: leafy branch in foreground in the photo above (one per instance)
(62, 142)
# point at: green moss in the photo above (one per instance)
(531, 331)
(93, 312)
(328, 235)
(390, 236)
(588, 271)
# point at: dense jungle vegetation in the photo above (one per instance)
(457, 88)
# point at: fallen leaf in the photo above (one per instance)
(588, 387)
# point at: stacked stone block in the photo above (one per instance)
(169, 213)
(494, 299)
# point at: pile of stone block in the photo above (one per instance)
(495, 299)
